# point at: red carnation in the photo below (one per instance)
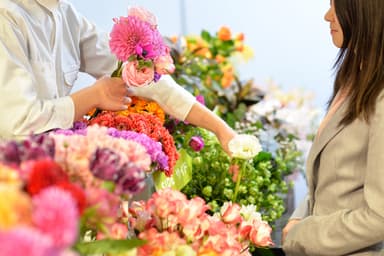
(45, 173)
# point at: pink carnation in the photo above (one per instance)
(25, 241)
(61, 223)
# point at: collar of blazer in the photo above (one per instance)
(330, 130)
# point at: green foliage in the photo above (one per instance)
(262, 183)
(109, 246)
(204, 66)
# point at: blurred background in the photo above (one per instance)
(290, 40)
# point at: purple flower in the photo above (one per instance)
(131, 179)
(33, 148)
(196, 143)
(105, 164)
(154, 148)
(157, 77)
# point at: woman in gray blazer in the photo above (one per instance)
(343, 213)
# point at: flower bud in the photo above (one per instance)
(196, 143)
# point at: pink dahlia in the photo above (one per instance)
(130, 36)
(56, 215)
(25, 241)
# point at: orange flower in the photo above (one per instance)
(224, 33)
(228, 76)
(142, 106)
(174, 39)
(239, 37)
(220, 58)
(226, 80)
(204, 52)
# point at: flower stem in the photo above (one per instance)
(239, 177)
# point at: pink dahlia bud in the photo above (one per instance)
(196, 143)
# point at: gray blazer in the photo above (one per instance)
(343, 212)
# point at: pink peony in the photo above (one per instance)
(135, 76)
(61, 224)
(25, 241)
(128, 35)
(143, 15)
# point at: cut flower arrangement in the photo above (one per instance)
(84, 176)
(139, 47)
(175, 225)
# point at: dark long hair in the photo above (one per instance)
(360, 63)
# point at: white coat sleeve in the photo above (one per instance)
(22, 110)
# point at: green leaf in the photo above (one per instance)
(118, 70)
(206, 35)
(180, 177)
(107, 246)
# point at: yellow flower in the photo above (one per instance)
(15, 207)
(9, 176)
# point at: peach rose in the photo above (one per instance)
(135, 76)
(164, 65)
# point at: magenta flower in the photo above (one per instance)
(62, 221)
(200, 98)
(196, 143)
(130, 34)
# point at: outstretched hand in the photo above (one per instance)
(225, 135)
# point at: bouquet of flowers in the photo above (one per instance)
(174, 225)
(139, 47)
(60, 187)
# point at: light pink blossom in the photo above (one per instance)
(143, 14)
(164, 64)
(136, 76)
